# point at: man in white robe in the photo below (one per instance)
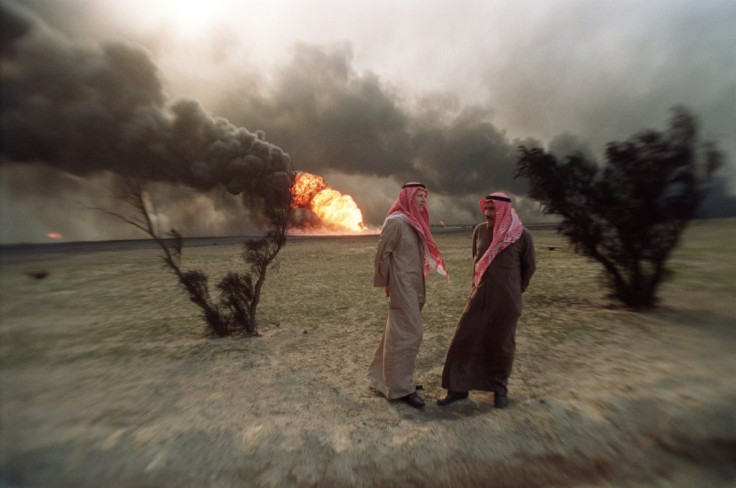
(405, 252)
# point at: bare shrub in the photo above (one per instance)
(239, 293)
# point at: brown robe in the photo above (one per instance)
(399, 263)
(482, 350)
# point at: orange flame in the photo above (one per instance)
(336, 212)
(54, 235)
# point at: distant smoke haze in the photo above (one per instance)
(79, 107)
(91, 111)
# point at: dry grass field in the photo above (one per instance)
(106, 378)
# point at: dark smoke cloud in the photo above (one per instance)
(332, 117)
(363, 134)
(338, 120)
(87, 110)
(84, 109)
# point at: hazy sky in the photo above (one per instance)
(365, 94)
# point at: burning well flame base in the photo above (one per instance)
(331, 211)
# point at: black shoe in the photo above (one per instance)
(413, 400)
(419, 386)
(500, 400)
(452, 396)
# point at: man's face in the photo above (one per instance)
(489, 210)
(420, 199)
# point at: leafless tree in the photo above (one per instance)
(240, 293)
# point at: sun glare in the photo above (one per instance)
(190, 16)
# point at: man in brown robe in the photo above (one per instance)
(405, 252)
(481, 353)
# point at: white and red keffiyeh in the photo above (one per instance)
(404, 208)
(506, 230)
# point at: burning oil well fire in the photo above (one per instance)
(320, 209)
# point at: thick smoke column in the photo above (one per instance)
(339, 119)
(85, 110)
(91, 110)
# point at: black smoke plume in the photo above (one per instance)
(91, 109)
(340, 120)
(362, 134)
(337, 119)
